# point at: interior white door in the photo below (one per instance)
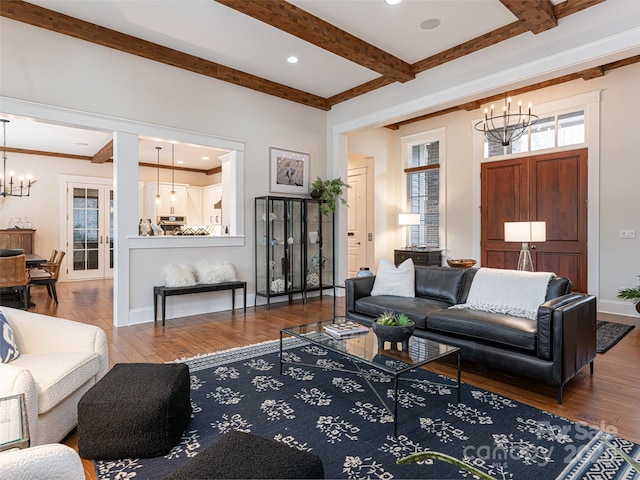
(90, 237)
(357, 221)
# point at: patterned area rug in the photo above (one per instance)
(609, 333)
(335, 416)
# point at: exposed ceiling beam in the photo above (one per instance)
(295, 21)
(47, 154)
(483, 41)
(88, 158)
(538, 15)
(590, 73)
(90, 32)
(40, 17)
(570, 7)
(470, 106)
(104, 154)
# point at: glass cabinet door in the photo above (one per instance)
(319, 261)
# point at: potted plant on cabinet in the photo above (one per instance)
(328, 191)
(631, 293)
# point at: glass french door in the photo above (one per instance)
(90, 231)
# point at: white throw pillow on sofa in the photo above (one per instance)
(179, 276)
(398, 282)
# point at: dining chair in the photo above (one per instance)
(14, 277)
(48, 274)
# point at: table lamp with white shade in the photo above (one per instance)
(525, 232)
(406, 220)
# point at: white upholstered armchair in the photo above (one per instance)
(59, 361)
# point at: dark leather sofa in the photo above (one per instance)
(553, 348)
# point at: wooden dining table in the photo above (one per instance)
(34, 260)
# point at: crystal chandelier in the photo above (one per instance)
(505, 127)
(9, 187)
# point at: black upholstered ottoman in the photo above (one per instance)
(136, 410)
(243, 455)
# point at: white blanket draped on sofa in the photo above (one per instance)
(511, 292)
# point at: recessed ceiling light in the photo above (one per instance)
(430, 23)
(82, 144)
(180, 162)
(292, 59)
(393, 2)
(205, 158)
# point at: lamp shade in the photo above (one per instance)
(409, 219)
(525, 231)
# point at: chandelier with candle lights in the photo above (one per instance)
(507, 126)
(20, 187)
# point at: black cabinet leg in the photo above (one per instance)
(591, 367)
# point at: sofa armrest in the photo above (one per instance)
(356, 288)
(42, 462)
(567, 333)
(545, 322)
(35, 333)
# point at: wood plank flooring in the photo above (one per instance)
(609, 400)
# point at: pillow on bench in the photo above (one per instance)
(179, 276)
(215, 272)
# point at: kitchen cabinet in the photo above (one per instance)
(194, 205)
(211, 205)
(178, 207)
(294, 247)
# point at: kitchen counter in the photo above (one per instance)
(186, 241)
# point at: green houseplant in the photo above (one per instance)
(329, 191)
(631, 293)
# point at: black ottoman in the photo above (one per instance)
(243, 455)
(136, 410)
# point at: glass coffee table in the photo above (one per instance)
(363, 349)
(14, 428)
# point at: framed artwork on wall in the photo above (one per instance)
(289, 171)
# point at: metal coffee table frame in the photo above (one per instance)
(363, 349)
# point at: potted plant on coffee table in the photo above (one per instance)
(393, 328)
(329, 191)
(631, 293)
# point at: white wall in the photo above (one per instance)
(42, 206)
(44, 67)
(618, 175)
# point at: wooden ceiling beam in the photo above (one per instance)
(483, 41)
(104, 154)
(591, 73)
(27, 151)
(299, 23)
(570, 7)
(90, 32)
(538, 15)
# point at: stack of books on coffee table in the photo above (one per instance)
(345, 330)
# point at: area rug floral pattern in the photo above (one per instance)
(337, 417)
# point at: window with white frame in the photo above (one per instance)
(549, 132)
(423, 155)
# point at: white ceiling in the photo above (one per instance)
(220, 34)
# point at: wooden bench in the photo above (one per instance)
(165, 292)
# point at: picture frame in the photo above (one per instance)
(288, 171)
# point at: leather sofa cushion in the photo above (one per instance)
(486, 327)
(416, 308)
(58, 374)
(440, 283)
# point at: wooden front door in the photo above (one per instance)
(550, 188)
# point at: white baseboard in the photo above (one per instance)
(617, 307)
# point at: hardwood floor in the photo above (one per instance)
(608, 400)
